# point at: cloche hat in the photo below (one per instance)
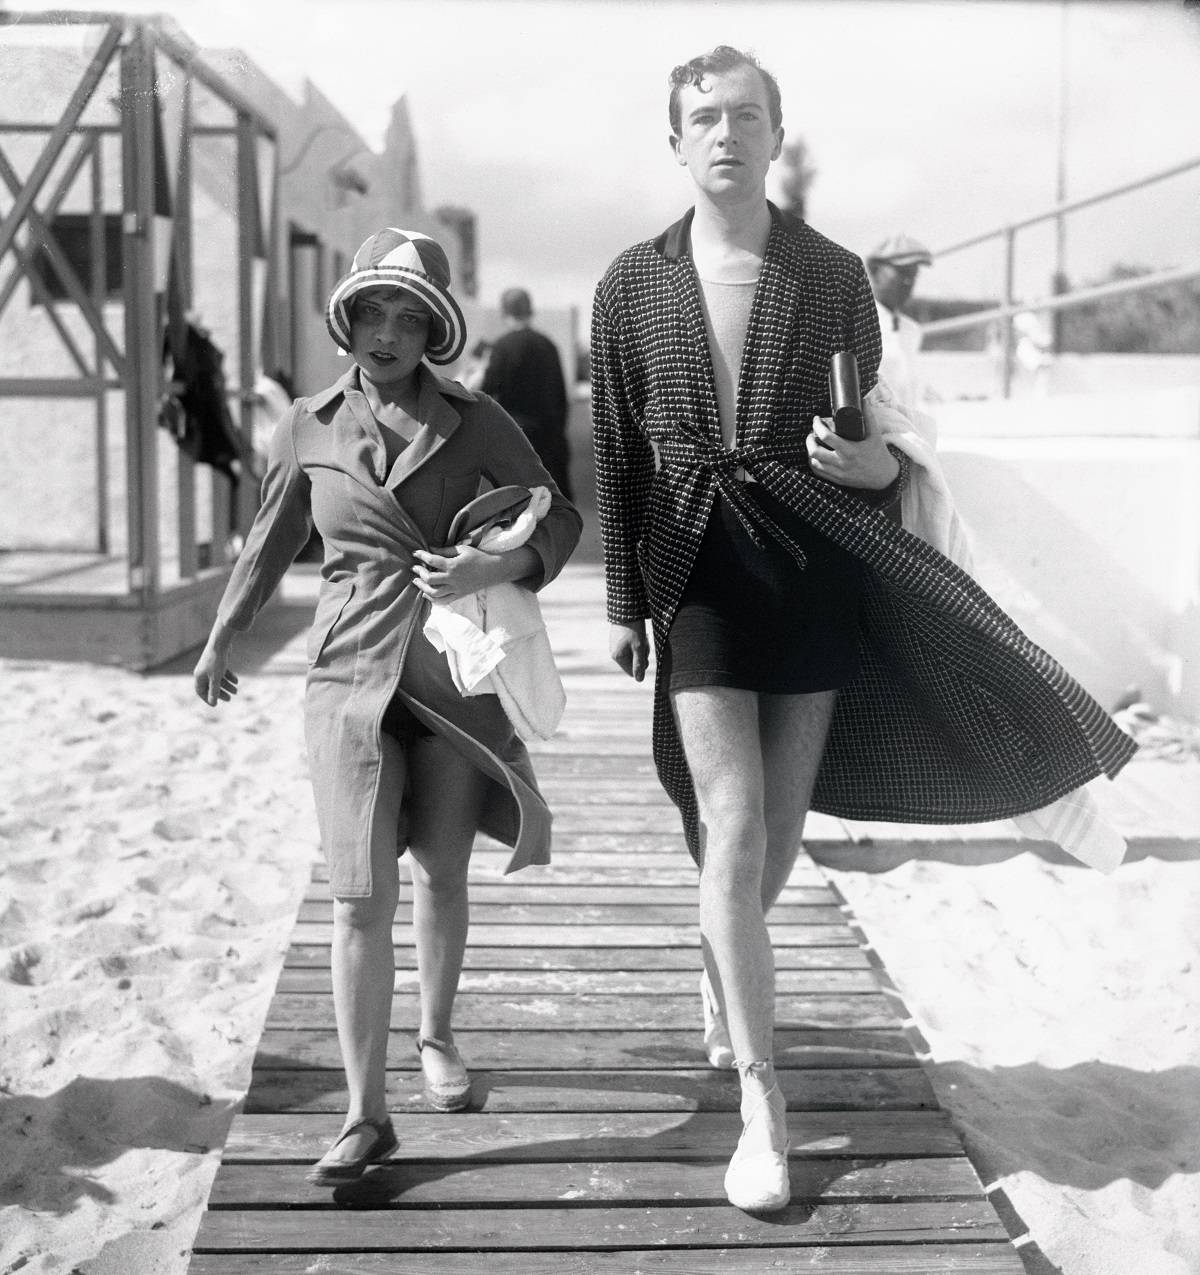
(408, 259)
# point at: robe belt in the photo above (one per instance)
(688, 446)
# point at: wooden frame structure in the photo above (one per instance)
(152, 596)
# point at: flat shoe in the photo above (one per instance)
(445, 1095)
(757, 1178)
(338, 1171)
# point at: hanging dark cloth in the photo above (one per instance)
(195, 409)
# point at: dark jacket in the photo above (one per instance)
(956, 716)
(524, 375)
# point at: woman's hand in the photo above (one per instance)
(867, 464)
(628, 646)
(214, 679)
(458, 572)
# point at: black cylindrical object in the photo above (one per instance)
(844, 397)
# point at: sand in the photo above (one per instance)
(154, 855)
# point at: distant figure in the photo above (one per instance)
(476, 367)
(893, 268)
(524, 375)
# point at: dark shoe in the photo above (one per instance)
(445, 1095)
(334, 1172)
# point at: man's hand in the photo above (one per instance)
(867, 464)
(629, 647)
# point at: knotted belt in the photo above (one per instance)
(688, 446)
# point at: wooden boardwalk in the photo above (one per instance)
(599, 1137)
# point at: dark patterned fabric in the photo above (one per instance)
(956, 715)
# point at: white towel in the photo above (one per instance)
(495, 641)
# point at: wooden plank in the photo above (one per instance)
(552, 913)
(597, 982)
(666, 1051)
(517, 892)
(536, 1136)
(649, 1013)
(597, 859)
(516, 1229)
(608, 959)
(655, 936)
(826, 1089)
(407, 1184)
(974, 1257)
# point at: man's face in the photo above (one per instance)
(726, 139)
(389, 329)
(893, 285)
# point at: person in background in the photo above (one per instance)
(893, 268)
(381, 462)
(524, 375)
(477, 361)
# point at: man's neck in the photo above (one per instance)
(732, 228)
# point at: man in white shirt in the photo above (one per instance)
(893, 268)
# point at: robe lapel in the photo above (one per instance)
(786, 287)
(681, 277)
(438, 421)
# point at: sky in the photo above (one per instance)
(940, 118)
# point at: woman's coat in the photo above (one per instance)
(328, 468)
(956, 716)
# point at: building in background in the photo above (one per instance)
(149, 192)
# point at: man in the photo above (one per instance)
(524, 375)
(796, 627)
(893, 268)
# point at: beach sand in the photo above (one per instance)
(154, 855)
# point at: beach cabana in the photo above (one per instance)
(137, 228)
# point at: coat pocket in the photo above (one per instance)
(332, 602)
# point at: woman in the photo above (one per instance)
(380, 463)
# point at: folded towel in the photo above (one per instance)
(495, 641)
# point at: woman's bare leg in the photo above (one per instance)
(448, 796)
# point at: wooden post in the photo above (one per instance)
(181, 213)
(99, 282)
(142, 338)
(248, 237)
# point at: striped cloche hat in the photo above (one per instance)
(402, 259)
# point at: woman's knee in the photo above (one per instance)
(375, 912)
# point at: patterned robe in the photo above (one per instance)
(956, 716)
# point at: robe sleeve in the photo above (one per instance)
(280, 530)
(511, 459)
(624, 467)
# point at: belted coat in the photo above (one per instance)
(955, 716)
(328, 468)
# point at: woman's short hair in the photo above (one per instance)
(723, 58)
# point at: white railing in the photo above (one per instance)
(1011, 305)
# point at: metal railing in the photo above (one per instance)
(1011, 305)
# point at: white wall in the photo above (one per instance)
(1085, 518)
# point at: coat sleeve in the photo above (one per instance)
(509, 458)
(624, 467)
(862, 327)
(280, 530)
